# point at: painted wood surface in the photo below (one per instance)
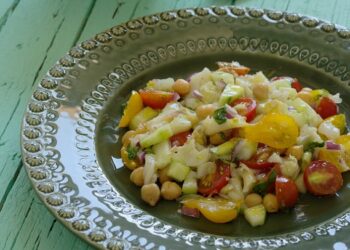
(33, 35)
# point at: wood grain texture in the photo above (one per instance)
(34, 34)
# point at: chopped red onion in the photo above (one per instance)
(221, 84)
(176, 97)
(230, 112)
(191, 212)
(237, 149)
(141, 156)
(197, 94)
(332, 146)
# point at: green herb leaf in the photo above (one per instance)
(149, 150)
(312, 145)
(132, 152)
(220, 115)
(263, 186)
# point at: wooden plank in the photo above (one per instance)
(333, 11)
(58, 23)
(108, 13)
(33, 225)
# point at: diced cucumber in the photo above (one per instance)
(161, 134)
(223, 76)
(144, 115)
(162, 154)
(224, 148)
(255, 215)
(309, 113)
(190, 184)
(246, 149)
(231, 93)
(180, 124)
(282, 83)
(212, 127)
(306, 160)
(178, 171)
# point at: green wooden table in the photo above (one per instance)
(33, 35)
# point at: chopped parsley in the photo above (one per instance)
(220, 115)
(263, 186)
(132, 152)
(312, 145)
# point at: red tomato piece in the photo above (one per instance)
(259, 160)
(191, 212)
(213, 183)
(297, 85)
(250, 111)
(179, 139)
(263, 165)
(156, 99)
(322, 178)
(326, 107)
(286, 191)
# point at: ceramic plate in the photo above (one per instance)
(70, 141)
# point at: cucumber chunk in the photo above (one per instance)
(178, 171)
(255, 215)
(230, 94)
(161, 134)
(162, 154)
(224, 148)
(190, 184)
(144, 115)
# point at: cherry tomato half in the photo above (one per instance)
(259, 160)
(326, 107)
(213, 183)
(217, 210)
(322, 178)
(179, 139)
(250, 107)
(286, 191)
(156, 99)
(297, 85)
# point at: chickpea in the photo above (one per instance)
(221, 137)
(136, 176)
(182, 87)
(163, 175)
(205, 110)
(252, 200)
(170, 190)
(296, 151)
(270, 203)
(150, 193)
(261, 90)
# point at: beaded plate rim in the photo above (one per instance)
(46, 97)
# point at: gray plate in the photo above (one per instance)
(70, 141)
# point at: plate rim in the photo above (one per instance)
(77, 53)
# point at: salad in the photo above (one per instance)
(226, 142)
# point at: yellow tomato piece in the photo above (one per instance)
(338, 158)
(215, 210)
(133, 106)
(130, 164)
(318, 93)
(345, 141)
(275, 130)
(338, 121)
